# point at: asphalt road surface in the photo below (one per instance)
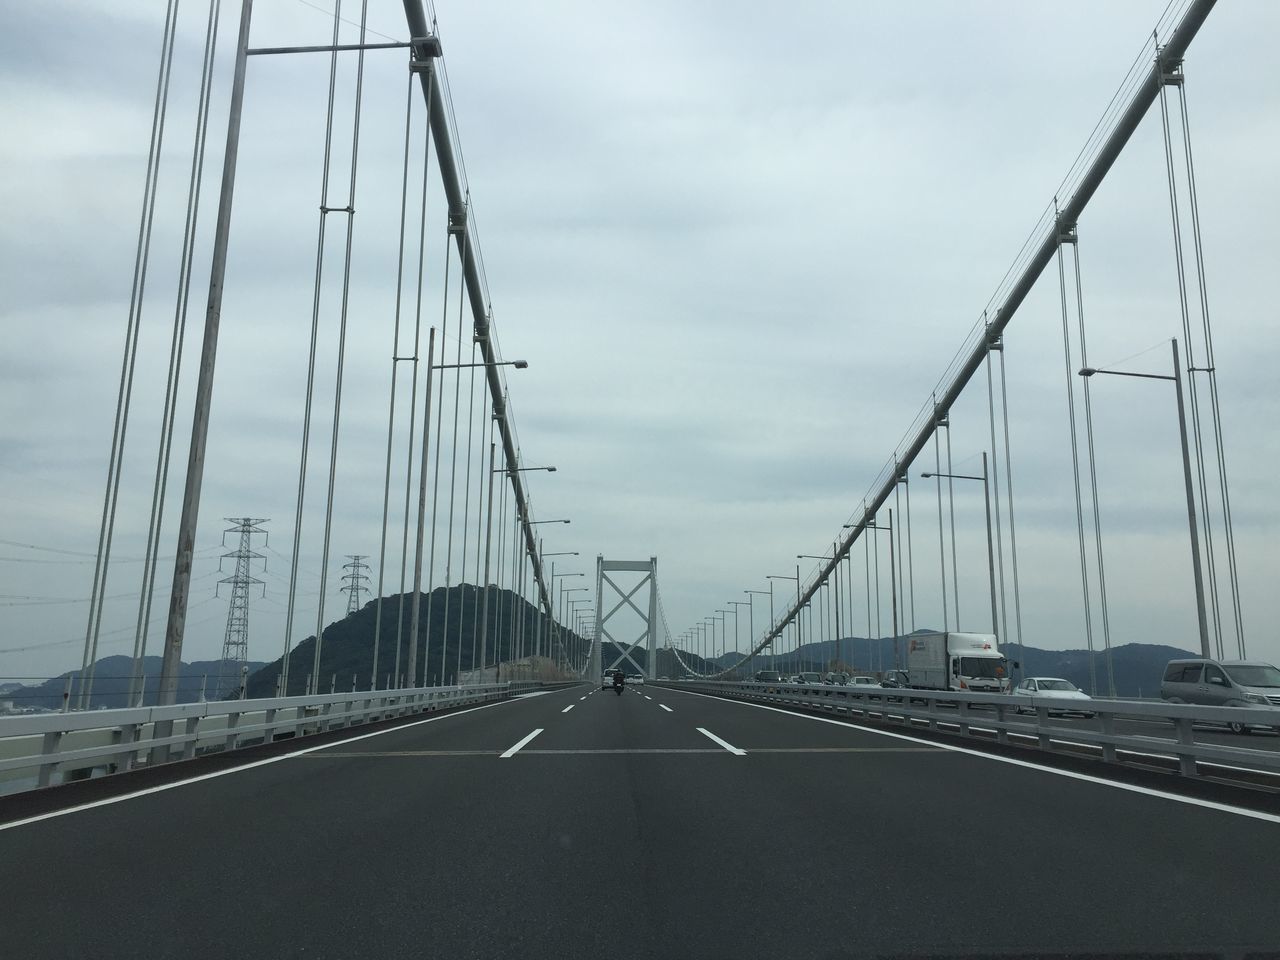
(658, 824)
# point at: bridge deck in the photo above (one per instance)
(624, 830)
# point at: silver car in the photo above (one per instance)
(1232, 683)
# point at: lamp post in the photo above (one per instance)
(991, 557)
(874, 525)
(1186, 477)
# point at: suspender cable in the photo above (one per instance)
(1075, 472)
(1192, 389)
(1211, 370)
(391, 404)
(911, 574)
(124, 396)
(995, 491)
(416, 606)
(1008, 490)
(311, 364)
(485, 424)
(942, 549)
(137, 682)
(951, 509)
(435, 483)
(1093, 482)
(453, 478)
(342, 351)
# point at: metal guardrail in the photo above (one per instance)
(42, 750)
(1026, 721)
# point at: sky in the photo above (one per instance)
(738, 249)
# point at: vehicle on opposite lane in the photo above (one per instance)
(1230, 683)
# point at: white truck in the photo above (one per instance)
(957, 661)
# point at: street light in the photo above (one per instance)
(736, 604)
(991, 557)
(751, 619)
(534, 523)
(518, 364)
(522, 469)
(1186, 476)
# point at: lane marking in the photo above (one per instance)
(580, 699)
(647, 697)
(106, 801)
(533, 693)
(568, 708)
(666, 708)
(512, 751)
(1070, 774)
(724, 743)
(611, 751)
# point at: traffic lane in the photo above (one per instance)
(751, 728)
(492, 730)
(337, 856)
(941, 853)
(632, 721)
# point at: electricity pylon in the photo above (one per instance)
(356, 583)
(235, 643)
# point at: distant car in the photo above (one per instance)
(606, 681)
(836, 678)
(810, 676)
(863, 682)
(895, 678)
(1232, 683)
(795, 678)
(1057, 690)
(637, 678)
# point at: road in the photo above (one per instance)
(658, 824)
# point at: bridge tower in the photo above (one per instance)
(649, 636)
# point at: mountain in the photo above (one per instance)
(448, 634)
(111, 680)
(1137, 667)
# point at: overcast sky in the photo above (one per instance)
(737, 244)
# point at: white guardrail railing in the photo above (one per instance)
(1027, 721)
(42, 750)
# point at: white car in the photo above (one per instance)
(636, 678)
(863, 682)
(1065, 695)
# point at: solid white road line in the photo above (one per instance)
(728, 746)
(516, 749)
(568, 708)
(666, 708)
(647, 697)
(1071, 774)
(106, 801)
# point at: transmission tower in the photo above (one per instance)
(235, 644)
(356, 583)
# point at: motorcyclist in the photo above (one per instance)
(618, 680)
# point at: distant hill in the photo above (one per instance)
(448, 637)
(1138, 667)
(111, 678)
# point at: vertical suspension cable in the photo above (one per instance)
(995, 493)
(1093, 480)
(942, 549)
(311, 361)
(911, 573)
(391, 405)
(342, 353)
(1211, 369)
(453, 468)
(1193, 393)
(137, 682)
(124, 396)
(951, 508)
(435, 484)
(875, 549)
(401, 639)
(1075, 472)
(486, 423)
(1008, 490)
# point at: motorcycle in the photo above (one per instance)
(617, 685)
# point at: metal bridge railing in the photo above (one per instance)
(1028, 722)
(47, 749)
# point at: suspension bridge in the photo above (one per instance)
(443, 768)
